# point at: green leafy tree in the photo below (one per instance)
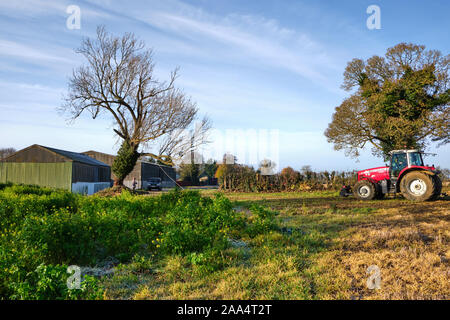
(210, 168)
(401, 101)
(189, 172)
(124, 162)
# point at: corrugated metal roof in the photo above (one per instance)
(141, 159)
(79, 157)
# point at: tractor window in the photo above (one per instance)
(415, 159)
(398, 163)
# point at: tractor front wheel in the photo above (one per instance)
(418, 186)
(365, 190)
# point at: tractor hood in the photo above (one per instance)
(375, 174)
(381, 173)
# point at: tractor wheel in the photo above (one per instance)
(437, 188)
(418, 186)
(365, 190)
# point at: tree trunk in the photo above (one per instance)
(118, 182)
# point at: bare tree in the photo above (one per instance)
(4, 152)
(119, 80)
(180, 143)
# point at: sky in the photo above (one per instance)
(267, 73)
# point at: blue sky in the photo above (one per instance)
(263, 65)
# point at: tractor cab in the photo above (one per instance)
(402, 159)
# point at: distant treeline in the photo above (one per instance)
(243, 178)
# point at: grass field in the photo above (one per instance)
(321, 250)
(209, 245)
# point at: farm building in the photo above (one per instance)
(142, 171)
(55, 168)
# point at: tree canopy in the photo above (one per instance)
(401, 101)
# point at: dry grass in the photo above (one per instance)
(411, 250)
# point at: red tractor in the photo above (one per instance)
(406, 174)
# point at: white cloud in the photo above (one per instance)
(31, 97)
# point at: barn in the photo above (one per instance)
(142, 171)
(50, 167)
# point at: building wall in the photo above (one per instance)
(89, 188)
(103, 157)
(150, 171)
(82, 172)
(54, 175)
(142, 171)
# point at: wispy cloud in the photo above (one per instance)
(28, 91)
(239, 39)
(35, 8)
(27, 52)
(252, 39)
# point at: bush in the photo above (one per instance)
(20, 189)
(4, 185)
(197, 223)
(262, 220)
(207, 261)
(49, 282)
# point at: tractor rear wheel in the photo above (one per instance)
(438, 187)
(418, 186)
(365, 190)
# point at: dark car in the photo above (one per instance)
(154, 183)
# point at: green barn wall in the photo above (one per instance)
(55, 175)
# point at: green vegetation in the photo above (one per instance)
(43, 231)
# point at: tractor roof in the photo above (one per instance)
(403, 151)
